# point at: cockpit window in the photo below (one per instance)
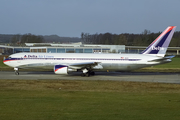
(9, 57)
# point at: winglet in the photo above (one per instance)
(159, 46)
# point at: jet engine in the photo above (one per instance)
(62, 69)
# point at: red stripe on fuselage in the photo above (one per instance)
(9, 60)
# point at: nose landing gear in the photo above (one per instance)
(16, 71)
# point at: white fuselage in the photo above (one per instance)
(62, 63)
(114, 62)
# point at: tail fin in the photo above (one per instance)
(159, 46)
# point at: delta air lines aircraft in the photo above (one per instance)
(63, 63)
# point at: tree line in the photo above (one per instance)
(143, 39)
(18, 39)
(26, 38)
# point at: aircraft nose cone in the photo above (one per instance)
(5, 62)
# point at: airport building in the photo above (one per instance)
(63, 48)
(78, 48)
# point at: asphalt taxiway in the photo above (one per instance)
(117, 76)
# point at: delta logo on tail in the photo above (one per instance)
(159, 46)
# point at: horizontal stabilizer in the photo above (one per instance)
(162, 59)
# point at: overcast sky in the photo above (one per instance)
(69, 18)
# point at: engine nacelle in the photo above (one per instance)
(61, 69)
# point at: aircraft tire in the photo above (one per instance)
(16, 73)
(92, 73)
(82, 75)
(87, 74)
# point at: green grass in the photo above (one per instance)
(88, 100)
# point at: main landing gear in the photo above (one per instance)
(16, 71)
(87, 73)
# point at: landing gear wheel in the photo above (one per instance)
(16, 73)
(82, 75)
(87, 74)
(92, 73)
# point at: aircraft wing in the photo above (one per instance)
(86, 65)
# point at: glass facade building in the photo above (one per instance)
(69, 50)
(79, 50)
(66, 48)
(19, 49)
(60, 50)
(88, 51)
(51, 50)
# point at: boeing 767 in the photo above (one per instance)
(63, 63)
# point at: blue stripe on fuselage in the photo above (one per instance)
(14, 59)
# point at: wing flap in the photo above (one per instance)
(85, 65)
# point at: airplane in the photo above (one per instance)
(88, 63)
